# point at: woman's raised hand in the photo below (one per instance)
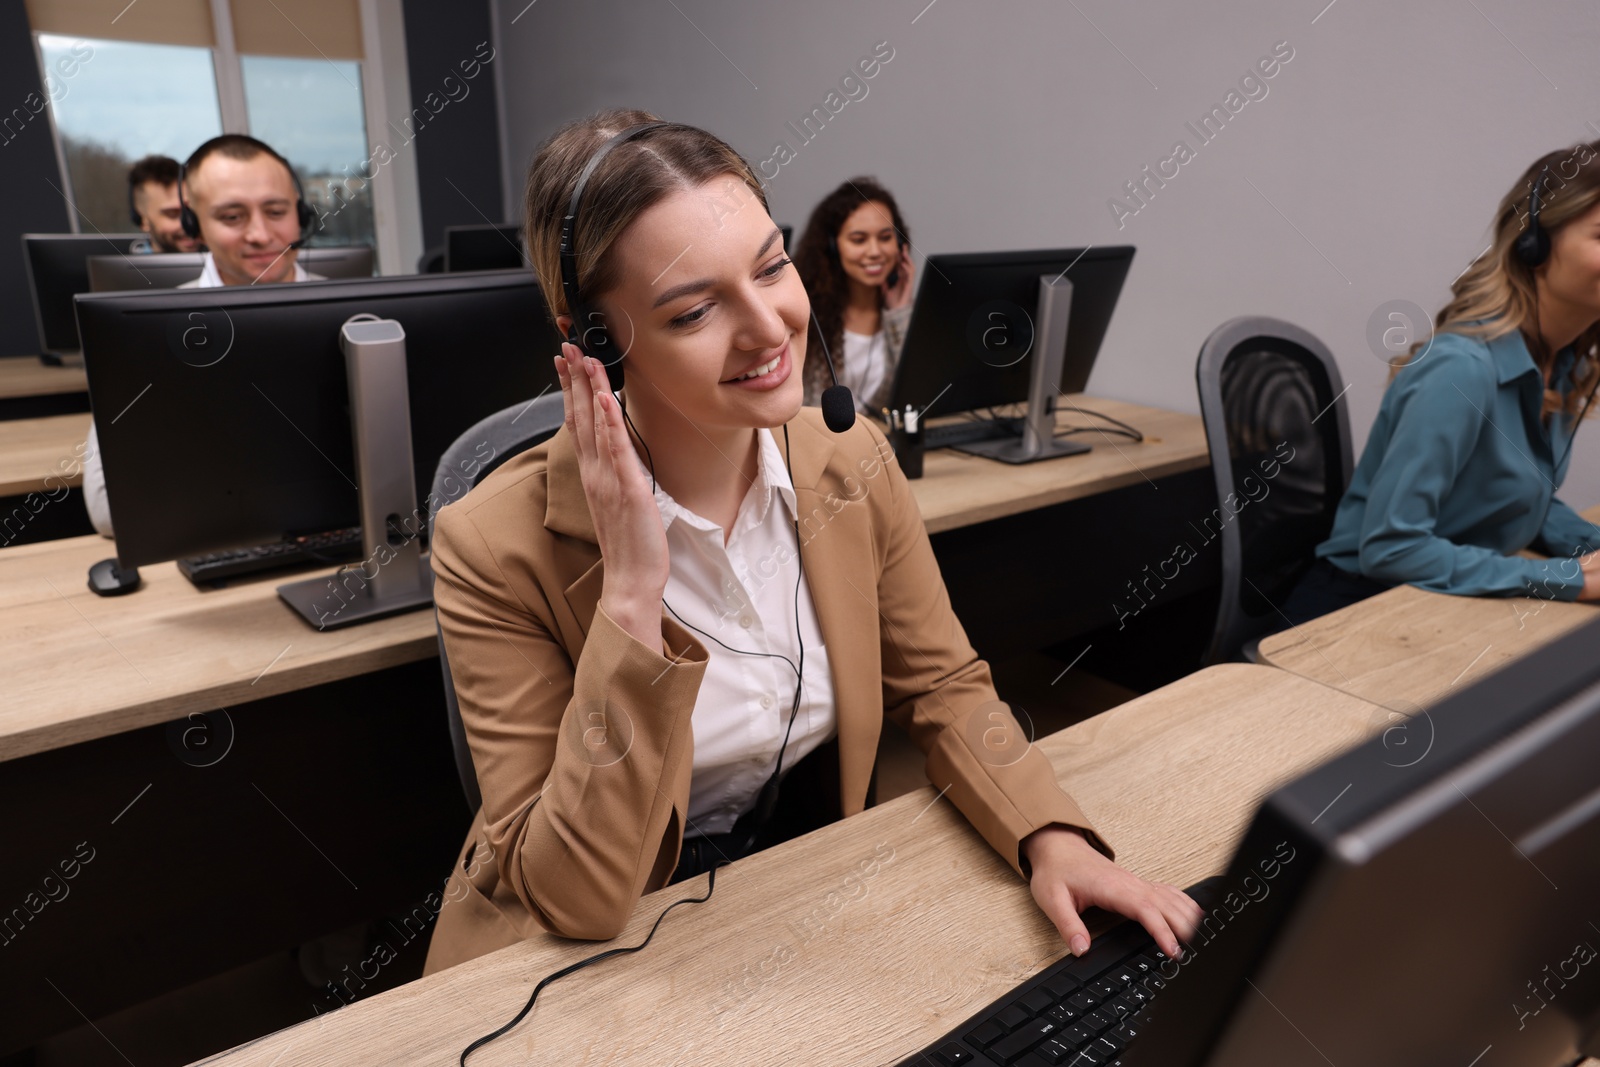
(899, 295)
(627, 524)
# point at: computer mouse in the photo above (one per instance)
(108, 579)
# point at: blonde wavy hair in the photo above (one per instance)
(1498, 293)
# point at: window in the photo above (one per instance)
(310, 110)
(181, 71)
(117, 101)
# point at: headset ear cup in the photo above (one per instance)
(1533, 246)
(307, 216)
(189, 221)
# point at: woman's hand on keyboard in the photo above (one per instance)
(1069, 875)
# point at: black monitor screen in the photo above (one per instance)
(972, 326)
(222, 414)
(482, 248)
(57, 270)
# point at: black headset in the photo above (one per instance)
(1532, 246)
(592, 339)
(133, 210)
(190, 222)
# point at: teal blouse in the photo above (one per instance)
(1460, 471)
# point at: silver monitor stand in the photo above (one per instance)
(393, 575)
(1038, 439)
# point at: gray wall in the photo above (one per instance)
(1367, 173)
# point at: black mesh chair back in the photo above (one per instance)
(506, 433)
(1280, 452)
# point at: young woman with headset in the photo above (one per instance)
(698, 590)
(854, 259)
(1475, 431)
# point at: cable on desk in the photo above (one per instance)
(1122, 429)
(711, 885)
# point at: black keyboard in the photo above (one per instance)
(334, 546)
(952, 434)
(1080, 1011)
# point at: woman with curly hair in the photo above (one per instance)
(855, 261)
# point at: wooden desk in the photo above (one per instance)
(31, 450)
(941, 929)
(169, 649)
(25, 376)
(958, 490)
(1406, 648)
(79, 666)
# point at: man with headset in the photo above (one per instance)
(242, 200)
(154, 206)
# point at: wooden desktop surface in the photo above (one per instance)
(78, 666)
(22, 376)
(800, 956)
(1406, 648)
(31, 450)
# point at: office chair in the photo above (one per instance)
(1268, 387)
(431, 261)
(510, 432)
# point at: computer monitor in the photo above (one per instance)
(168, 270)
(1430, 897)
(493, 247)
(223, 415)
(58, 270)
(981, 320)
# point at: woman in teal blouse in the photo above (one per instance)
(1474, 433)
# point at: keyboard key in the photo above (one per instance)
(1124, 975)
(1084, 1057)
(985, 1034)
(1009, 1049)
(1083, 1000)
(1010, 1017)
(1062, 986)
(1127, 1032)
(952, 1055)
(1106, 1047)
(1118, 1009)
(1037, 1002)
(1062, 1015)
(1077, 1035)
(1104, 988)
(1098, 1020)
(1143, 964)
(1054, 1051)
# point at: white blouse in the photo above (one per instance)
(743, 594)
(866, 360)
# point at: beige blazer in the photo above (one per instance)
(581, 734)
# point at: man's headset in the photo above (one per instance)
(588, 330)
(190, 222)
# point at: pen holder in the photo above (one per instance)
(907, 445)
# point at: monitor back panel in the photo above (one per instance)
(223, 414)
